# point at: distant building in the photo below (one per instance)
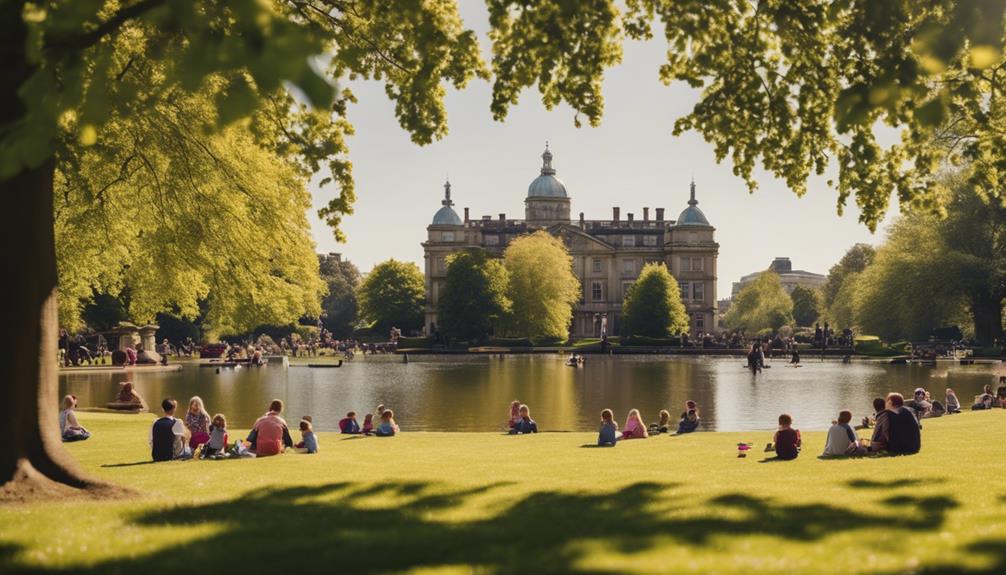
(790, 278)
(607, 254)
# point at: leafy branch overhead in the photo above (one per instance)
(794, 88)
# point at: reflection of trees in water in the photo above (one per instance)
(470, 393)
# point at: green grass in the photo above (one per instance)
(457, 502)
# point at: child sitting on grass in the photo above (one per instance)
(664, 423)
(689, 421)
(308, 440)
(368, 424)
(217, 443)
(525, 425)
(349, 425)
(608, 434)
(842, 439)
(387, 427)
(953, 404)
(634, 426)
(787, 440)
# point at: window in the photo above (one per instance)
(447, 236)
(700, 321)
(698, 291)
(649, 240)
(596, 264)
(492, 240)
(441, 264)
(626, 286)
(596, 291)
(685, 293)
(696, 264)
(629, 266)
(686, 264)
(628, 241)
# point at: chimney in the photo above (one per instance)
(660, 214)
(646, 214)
(502, 218)
(466, 215)
(614, 214)
(629, 215)
(581, 221)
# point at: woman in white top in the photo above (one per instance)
(68, 426)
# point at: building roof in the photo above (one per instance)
(547, 185)
(446, 216)
(692, 215)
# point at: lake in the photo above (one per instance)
(472, 393)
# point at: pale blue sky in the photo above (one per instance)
(632, 160)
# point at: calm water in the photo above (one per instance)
(473, 393)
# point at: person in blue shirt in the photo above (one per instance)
(308, 440)
(348, 424)
(608, 434)
(525, 424)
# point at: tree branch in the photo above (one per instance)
(88, 39)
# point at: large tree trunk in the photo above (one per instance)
(987, 312)
(32, 458)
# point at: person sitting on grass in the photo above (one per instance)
(953, 404)
(607, 436)
(787, 440)
(634, 426)
(69, 429)
(525, 424)
(514, 416)
(906, 436)
(984, 401)
(842, 439)
(197, 421)
(368, 424)
(387, 427)
(270, 433)
(664, 423)
(167, 435)
(881, 426)
(348, 425)
(1001, 396)
(217, 443)
(308, 440)
(689, 420)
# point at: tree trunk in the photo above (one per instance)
(987, 313)
(32, 458)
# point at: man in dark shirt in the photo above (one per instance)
(906, 437)
(166, 434)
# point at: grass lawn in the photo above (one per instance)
(464, 502)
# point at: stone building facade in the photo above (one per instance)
(789, 277)
(607, 254)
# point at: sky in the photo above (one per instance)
(631, 160)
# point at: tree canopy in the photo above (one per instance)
(474, 298)
(653, 306)
(933, 272)
(392, 295)
(805, 305)
(762, 305)
(339, 308)
(855, 260)
(543, 288)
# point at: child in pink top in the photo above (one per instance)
(634, 426)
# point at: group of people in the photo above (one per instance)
(385, 427)
(198, 435)
(636, 428)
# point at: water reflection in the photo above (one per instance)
(472, 393)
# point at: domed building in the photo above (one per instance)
(608, 254)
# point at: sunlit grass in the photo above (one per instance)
(444, 502)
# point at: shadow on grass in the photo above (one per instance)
(892, 484)
(339, 527)
(133, 464)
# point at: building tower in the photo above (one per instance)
(547, 202)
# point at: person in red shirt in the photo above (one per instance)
(787, 440)
(271, 432)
